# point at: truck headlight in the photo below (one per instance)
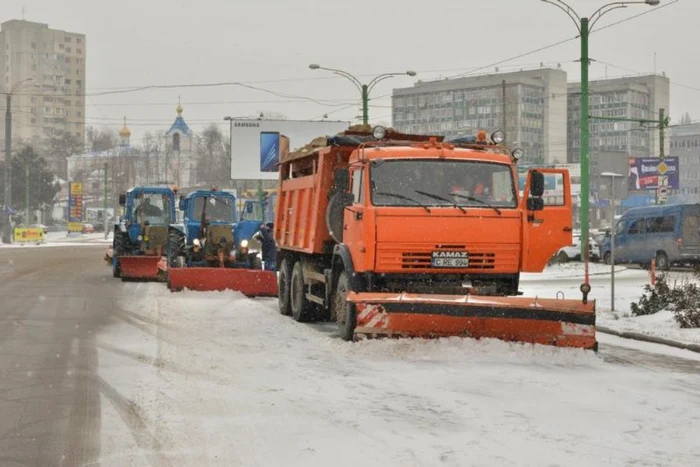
(498, 137)
(244, 243)
(196, 242)
(379, 132)
(140, 237)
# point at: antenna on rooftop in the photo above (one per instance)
(24, 12)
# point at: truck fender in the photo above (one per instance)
(342, 261)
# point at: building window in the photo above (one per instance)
(79, 51)
(33, 45)
(68, 49)
(80, 114)
(78, 82)
(79, 41)
(67, 81)
(68, 39)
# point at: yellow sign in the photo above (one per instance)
(663, 168)
(29, 235)
(76, 188)
(75, 227)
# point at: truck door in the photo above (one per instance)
(354, 219)
(548, 229)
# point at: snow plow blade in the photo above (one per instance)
(139, 267)
(561, 323)
(250, 282)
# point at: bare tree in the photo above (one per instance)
(685, 119)
(151, 150)
(212, 158)
(58, 148)
(101, 139)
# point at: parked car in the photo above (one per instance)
(599, 239)
(88, 228)
(573, 251)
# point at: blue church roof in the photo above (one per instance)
(179, 125)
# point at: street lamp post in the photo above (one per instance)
(612, 177)
(229, 119)
(585, 27)
(364, 89)
(7, 232)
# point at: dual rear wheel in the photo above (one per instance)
(293, 300)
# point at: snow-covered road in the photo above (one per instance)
(218, 379)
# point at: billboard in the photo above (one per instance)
(258, 145)
(644, 173)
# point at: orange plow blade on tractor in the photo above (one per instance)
(250, 282)
(561, 323)
(140, 267)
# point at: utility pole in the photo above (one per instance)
(26, 193)
(505, 132)
(104, 204)
(585, 148)
(7, 231)
(365, 104)
(663, 123)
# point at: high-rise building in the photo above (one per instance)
(530, 106)
(44, 69)
(634, 97)
(685, 144)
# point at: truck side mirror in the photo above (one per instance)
(182, 205)
(122, 199)
(249, 207)
(536, 184)
(535, 204)
(341, 179)
(348, 198)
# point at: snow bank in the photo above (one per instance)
(218, 379)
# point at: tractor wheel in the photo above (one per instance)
(116, 269)
(283, 286)
(342, 311)
(302, 311)
(174, 247)
(255, 262)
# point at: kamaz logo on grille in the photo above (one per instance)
(450, 254)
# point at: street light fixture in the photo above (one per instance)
(363, 88)
(7, 231)
(612, 177)
(229, 119)
(585, 26)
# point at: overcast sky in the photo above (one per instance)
(270, 43)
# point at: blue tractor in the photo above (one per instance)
(202, 253)
(140, 236)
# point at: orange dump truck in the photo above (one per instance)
(390, 234)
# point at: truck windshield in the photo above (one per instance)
(154, 208)
(460, 183)
(219, 208)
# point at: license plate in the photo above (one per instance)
(450, 259)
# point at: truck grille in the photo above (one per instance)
(482, 257)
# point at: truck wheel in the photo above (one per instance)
(283, 286)
(342, 311)
(562, 257)
(662, 263)
(607, 258)
(509, 286)
(301, 308)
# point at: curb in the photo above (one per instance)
(646, 338)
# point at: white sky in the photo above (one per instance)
(270, 43)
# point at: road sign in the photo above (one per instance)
(663, 168)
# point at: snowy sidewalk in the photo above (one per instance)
(218, 379)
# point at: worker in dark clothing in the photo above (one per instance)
(269, 249)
